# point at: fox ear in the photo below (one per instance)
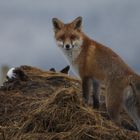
(52, 69)
(57, 24)
(65, 70)
(77, 23)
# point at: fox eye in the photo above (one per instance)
(73, 37)
(62, 37)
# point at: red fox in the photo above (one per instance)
(94, 61)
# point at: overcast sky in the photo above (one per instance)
(26, 32)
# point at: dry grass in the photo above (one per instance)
(49, 107)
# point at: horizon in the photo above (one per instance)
(27, 38)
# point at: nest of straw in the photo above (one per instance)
(54, 112)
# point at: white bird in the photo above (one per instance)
(11, 74)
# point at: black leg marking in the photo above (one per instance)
(95, 94)
(86, 89)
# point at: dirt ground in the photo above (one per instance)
(48, 106)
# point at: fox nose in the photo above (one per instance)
(67, 46)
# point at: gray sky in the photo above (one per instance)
(26, 34)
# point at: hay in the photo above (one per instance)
(64, 117)
(49, 107)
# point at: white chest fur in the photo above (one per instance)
(71, 56)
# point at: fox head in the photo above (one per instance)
(68, 36)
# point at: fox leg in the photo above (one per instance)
(131, 105)
(114, 103)
(86, 85)
(95, 94)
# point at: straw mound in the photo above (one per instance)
(58, 114)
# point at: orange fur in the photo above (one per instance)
(98, 62)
